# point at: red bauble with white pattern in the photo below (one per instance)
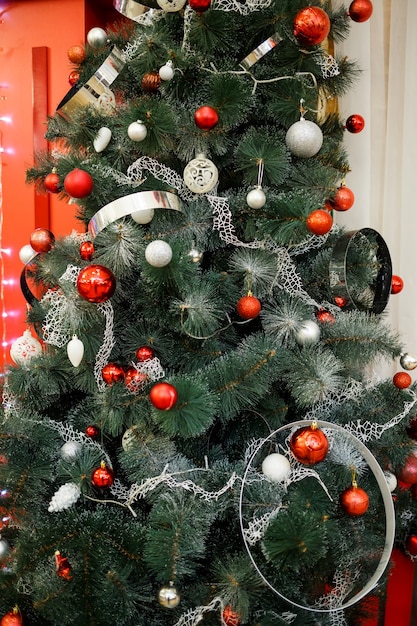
(103, 476)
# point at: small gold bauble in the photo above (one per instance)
(168, 596)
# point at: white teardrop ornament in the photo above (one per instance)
(75, 351)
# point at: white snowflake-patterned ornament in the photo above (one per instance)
(25, 348)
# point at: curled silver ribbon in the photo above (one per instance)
(259, 52)
(129, 8)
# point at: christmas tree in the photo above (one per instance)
(194, 429)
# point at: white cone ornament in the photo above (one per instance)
(75, 351)
(304, 139)
(276, 467)
(201, 175)
(70, 451)
(307, 333)
(102, 139)
(97, 37)
(158, 253)
(256, 198)
(137, 131)
(170, 6)
(166, 72)
(66, 496)
(25, 348)
(26, 253)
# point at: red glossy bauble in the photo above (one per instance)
(341, 301)
(248, 307)
(343, 199)
(412, 428)
(163, 396)
(309, 445)
(319, 222)
(360, 10)
(408, 473)
(135, 380)
(96, 283)
(103, 476)
(411, 545)
(12, 618)
(311, 26)
(230, 617)
(62, 566)
(144, 353)
(324, 316)
(52, 182)
(199, 5)
(354, 501)
(78, 183)
(73, 77)
(355, 123)
(92, 431)
(87, 250)
(112, 373)
(402, 380)
(76, 54)
(397, 284)
(42, 240)
(150, 82)
(206, 117)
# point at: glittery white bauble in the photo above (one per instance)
(137, 131)
(102, 139)
(75, 351)
(4, 548)
(64, 498)
(256, 198)
(143, 217)
(391, 480)
(166, 72)
(171, 5)
(25, 348)
(276, 467)
(158, 253)
(307, 333)
(304, 139)
(97, 37)
(70, 450)
(408, 361)
(26, 253)
(201, 175)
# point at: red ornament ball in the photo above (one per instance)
(230, 617)
(52, 182)
(311, 26)
(73, 77)
(341, 301)
(402, 380)
(355, 123)
(76, 54)
(163, 396)
(150, 82)
(309, 445)
(354, 501)
(360, 10)
(42, 240)
(411, 545)
(324, 316)
(199, 5)
(397, 284)
(135, 380)
(92, 431)
(62, 566)
(78, 183)
(144, 353)
(412, 428)
(319, 222)
(96, 283)
(112, 373)
(103, 476)
(248, 307)
(343, 199)
(12, 618)
(87, 250)
(206, 117)
(408, 473)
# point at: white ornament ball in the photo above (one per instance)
(70, 451)
(256, 198)
(304, 139)
(102, 139)
(97, 37)
(307, 333)
(391, 480)
(4, 548)
(166, 72)
(170, 6)
(25, 348)
(26, 253)
(201, 175)
(143, 217)
(408, 361)
(75, 351)
(64, 498)
(158, 253)
(137, 131)
(276, 467)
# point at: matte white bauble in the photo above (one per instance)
(143, 217)
(137, 131)
(4, 548)
(304, 139)
(97, 37)
(276, 467)
(71, 450)
(256, 198)
(25, 348)
(102, 139)
(75, 351)
(158, 253)
(391, 480)
(166, 72)
(26, 253)
(308, 332)
(201, 175)
(170, 6)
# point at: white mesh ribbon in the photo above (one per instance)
(194, 616)
(106, 347)
(57, 328)
(161, 172)
(151, 369)
(343, 584)
(328, 64)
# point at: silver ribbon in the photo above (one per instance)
(129, 8)
(259, 52)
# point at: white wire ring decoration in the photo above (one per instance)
(386, 498)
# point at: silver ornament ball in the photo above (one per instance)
(158, 253)
(201, 175)
(304, 139)
(137, 131)
(166, 72)
(276, 467)
(408, 361)
(97, 37)
(169, 597)
(71, 450)
(256, 198)
(307, 333)
(195, 255)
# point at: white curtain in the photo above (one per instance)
(383, 157)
